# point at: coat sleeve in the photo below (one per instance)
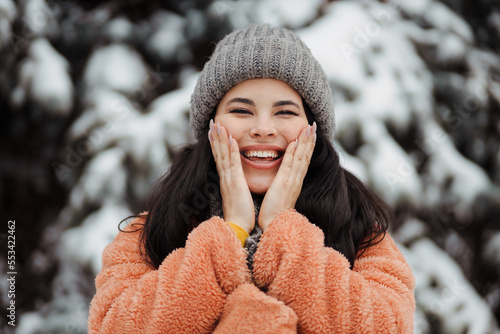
(186, 294)
(249, 310)
(294, 266)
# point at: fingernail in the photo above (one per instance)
(314, 127)
(219, 130)
(296, 143)
(210, 136)
(308, 131)
(211, 125)
(314, 138)
(230, 140)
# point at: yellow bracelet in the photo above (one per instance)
(240, 233)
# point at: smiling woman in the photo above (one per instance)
(263, 174)
(263, 116)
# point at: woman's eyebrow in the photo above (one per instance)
(285, 103)
(250, 102)
(242, 100)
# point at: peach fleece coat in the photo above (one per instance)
(298, 285)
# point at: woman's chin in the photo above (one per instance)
(258, 188)
(259, 181)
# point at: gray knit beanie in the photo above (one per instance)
(262, 51)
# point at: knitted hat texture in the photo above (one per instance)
(262, 51)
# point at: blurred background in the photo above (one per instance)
(94, 102)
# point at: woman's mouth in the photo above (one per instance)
(262, 156)
(262, 159)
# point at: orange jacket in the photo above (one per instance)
(206, 286)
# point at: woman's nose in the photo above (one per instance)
(263, 129)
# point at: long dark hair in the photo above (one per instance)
(351, 215)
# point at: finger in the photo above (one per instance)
(303, 153)
(225, 154)
(298, 154)
(211, 139)
(308, 152)
(287, 162)
(215, 145)
(309, 146)
(306, 146)
(220, 147)
(236, 167)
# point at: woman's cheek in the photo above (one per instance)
(292, 131)
(292, 135)
(236, 131)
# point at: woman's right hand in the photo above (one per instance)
(237, 202)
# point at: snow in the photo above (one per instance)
(168, 41)
(119, 29)
(383, 57)
(8, 9)
(68, 309)
(352, 163)
(391, 170)
(142, 137)
(477, 93)
(104, 110)
(444, 19)
(446, 163)
(411, 230)
(114, 77)
(8, 12)
(391, 62)
(117, 67)
(30, 323)
(114, 121)
(172, 109)
(84, 244)
(417, 8)
(389, 58)
(233, 12)
(37, 16)
(104, 178)
(194, 30)
(452, 49)
(287, 13)
(442, 290)
(437, 15)
(45, 79)
(326, 35)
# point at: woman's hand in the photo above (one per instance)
(237, 203)
(286, 186)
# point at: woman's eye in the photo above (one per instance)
(239, 111)
(287, 112)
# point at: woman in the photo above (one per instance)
(263, 175)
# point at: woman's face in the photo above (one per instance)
(263, 116)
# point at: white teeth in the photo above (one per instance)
(261, 154)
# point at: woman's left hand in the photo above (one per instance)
(286, 186)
